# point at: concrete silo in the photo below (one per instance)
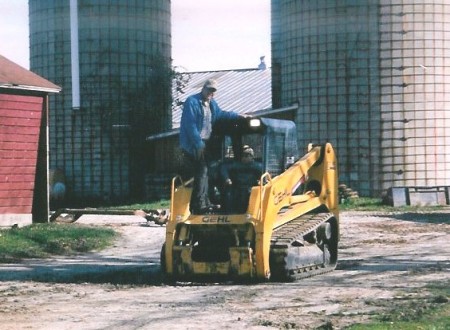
(372, 77)
(113, 60)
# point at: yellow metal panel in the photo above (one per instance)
(179, 209)
(210, 268)
(272, 204)
(219, 219)
(241, 262)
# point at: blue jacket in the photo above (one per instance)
(192, 122)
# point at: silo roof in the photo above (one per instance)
(13, 76)
(244, 91)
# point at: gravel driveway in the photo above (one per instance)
(385, 260)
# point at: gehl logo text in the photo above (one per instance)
(218, 219)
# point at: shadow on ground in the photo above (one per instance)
(85, 270)
(435, 217)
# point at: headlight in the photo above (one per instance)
(255, 122)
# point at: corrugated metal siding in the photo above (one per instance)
(242, 91)
(373, 78)
(327, 57)
(415, 98)
(20, 118)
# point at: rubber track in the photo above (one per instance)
(284, 236)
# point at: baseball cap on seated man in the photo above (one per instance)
(210, 84)
(247, 150)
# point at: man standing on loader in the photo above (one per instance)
(200, 113)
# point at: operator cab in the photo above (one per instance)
(274, 148)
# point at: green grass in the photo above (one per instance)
(430, 312)
(376, 204)
(46, 239)
(434, 319)
(362, 204)
(161, 204)
(43, 240)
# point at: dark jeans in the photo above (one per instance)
(198, 168)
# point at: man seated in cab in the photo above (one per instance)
(239, 177)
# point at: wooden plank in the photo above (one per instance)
(19, 122)
(10, 97)
(20, 102)
(24, 146)
(6, 186)
(20, 170)
(10, 170)
(14, 194)
(21, 209)
(17, 178)
(19, 201)
(25, 114)
(10, 202)
(15, 154)
(22, 130)
(21, 98)
(19, 138)
(23, 103)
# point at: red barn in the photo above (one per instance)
(23, 144)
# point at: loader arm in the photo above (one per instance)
(315, 175)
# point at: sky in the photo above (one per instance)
(206, 34)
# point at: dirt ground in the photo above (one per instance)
(385, 260)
